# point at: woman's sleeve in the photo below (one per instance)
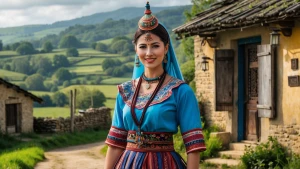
(117, 135)
(189, 119)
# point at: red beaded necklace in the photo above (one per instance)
(134, 99)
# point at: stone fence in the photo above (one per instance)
(99, 118)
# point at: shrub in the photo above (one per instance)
(72, 52)
(293, 162)
(266, 155)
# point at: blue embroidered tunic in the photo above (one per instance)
(174, 105)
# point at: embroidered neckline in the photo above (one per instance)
(127, 90)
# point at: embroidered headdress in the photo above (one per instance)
(148, 21)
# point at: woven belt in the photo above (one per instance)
(150, 141)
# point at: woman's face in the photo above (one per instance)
(151, 50)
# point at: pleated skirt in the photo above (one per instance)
(150, 160)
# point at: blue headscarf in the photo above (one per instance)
(171, 67)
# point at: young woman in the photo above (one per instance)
(150, 108)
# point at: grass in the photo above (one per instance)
(92, 61)
(12, 75)
(110, 91)
(16, 154)
(85, 69)
(25, 158)
(40, 93)
(115, 80)
(110, 103)
(106, 41)
(53, 112)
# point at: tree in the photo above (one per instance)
(47, 102)
(118, 46)
(63, 74)
(107, 63)
(89, 98)
(101, 47)
(188, 71)
(47, 47)
(93, 45)
(35, 82)
(21, 65)
(43, 64)
(1, 45)
(25, 48)
(72, 52)
(69, 41)
(59, 99)
(188, 43)
(60, 61)
(14, 46)
(198, 6)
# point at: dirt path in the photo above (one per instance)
(76, 157)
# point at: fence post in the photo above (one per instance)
(72, 111)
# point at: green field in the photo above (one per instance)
(92, 61)
(110, 91)
(53, 112)
(85, 69)
(40, 93)
(12, 75)
(115, 81)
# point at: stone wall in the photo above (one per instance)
(93, 118)
(205, 87)
(287, 135)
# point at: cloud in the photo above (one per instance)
(26, 12)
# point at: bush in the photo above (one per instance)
(293, 162)
(59, 99)
(188, 71)
(72, 52)
(66, 83)
(266, 155)
(54, 88)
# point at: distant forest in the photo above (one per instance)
(110, 28)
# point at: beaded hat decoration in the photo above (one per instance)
(148, 21)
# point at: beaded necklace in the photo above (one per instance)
(137, 122)
(150, 80)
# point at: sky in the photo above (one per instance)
(28, 12)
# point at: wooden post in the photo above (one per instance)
(71, 111)
(74, 101)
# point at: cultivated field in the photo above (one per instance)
(87, 66)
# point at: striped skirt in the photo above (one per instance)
(150, 150)
(150, 160)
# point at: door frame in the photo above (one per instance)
(17, 115)
(241, 83)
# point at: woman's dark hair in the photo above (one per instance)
(159, 31)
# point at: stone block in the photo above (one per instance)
(223, 136)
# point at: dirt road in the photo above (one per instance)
(76, 157)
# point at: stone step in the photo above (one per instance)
(220, 161)
(232, 154)
(250, 142)
(240, 146)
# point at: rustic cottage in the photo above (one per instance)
(247, 68)
(16, 108)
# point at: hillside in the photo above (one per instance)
(35, 32)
